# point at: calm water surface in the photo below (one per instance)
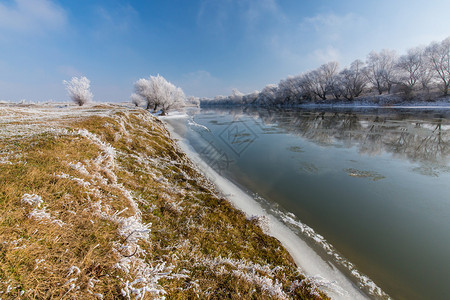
(374, 183)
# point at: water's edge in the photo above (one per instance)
(332, 280)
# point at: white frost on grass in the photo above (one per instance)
(79, 167)
(260, 275)
(42, 215)
(133, 229)
(147, 278)
(73, 270)
(134, 232)
(29, 120)
(80, 181)
(106, 160)
(140, 275)
(33, 200)
(39, 214)
(38, 261)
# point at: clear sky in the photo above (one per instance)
(207, 47)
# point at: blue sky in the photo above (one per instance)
(207, 47)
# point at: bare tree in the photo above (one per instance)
(268, 95)
(438, 55)
(79, 90)
(290, 89)
(321, 79)
(336, 86)
(250, 98)
(426, 75)
(359, 78)
(410, 65)
(381, 69)
(307, 87)
(353, 80)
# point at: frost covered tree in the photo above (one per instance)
(79, 90)
(321, 79)
(336, 86)
(290, 90)
(410, 66)
(381, 69)
(194, 101)
(158, 93)
(250, 98)
(353, 80)
(236, 96)
(268, 95)
(136, 99)
(438, 55)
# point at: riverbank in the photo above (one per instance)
(99, 202)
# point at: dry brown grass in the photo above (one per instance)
(204, 246)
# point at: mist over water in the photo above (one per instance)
(374, 183)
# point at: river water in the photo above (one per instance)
(368, 188)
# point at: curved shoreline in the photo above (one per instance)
(335, 283)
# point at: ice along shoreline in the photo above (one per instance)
(330, 278)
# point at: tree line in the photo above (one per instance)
(422, 73)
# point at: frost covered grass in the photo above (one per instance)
(99, 203)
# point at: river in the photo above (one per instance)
(368, 188)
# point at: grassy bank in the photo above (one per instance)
(99, 202)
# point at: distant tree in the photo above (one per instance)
(426, 75)
(195, 101)
(268, 95)
(79, 90)
(173, 98)
(321, 79)
(236, 97)
(250, 98)
(290, 89)
(158, 93)
(410, 66)
(353, 80)
(307, 87)
(136, 99)
(220, 99)
(381, 70)
(143, 88)
(438, 55)
(335, 88)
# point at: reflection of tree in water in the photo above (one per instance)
(422, 137)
